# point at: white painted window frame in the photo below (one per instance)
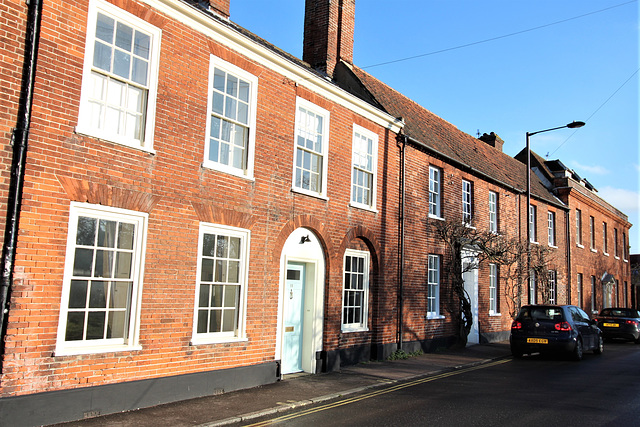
(493, 212)
(240, 333)
(435, 194)
(303, 103)
(360, 326)
(140, 219)
(248, 171)
(84, 117)
(433, 287)
(360, 133)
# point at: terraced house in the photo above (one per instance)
(191, 210)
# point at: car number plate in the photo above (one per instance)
(537, 340)
(610, 325)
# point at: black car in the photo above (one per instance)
(620, 323)
(554, 329)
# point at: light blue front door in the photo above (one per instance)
(293, 319)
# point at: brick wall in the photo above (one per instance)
(178, 193)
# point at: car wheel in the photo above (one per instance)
(578, 350)
(600, 347)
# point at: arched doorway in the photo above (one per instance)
(301, 296)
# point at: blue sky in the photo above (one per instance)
(505, 66)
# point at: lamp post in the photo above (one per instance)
(572, 125)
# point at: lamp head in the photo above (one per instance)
(574, 125)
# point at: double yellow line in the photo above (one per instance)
(378, 393)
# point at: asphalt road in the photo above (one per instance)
(534, 391)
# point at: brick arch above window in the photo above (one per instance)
(223, 216)
(368, 237)
(108, 195)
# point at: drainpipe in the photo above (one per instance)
(569, 273)
(19, 142)
(401, 140)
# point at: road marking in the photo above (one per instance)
(378, 393)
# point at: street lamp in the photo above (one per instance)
(572, 125)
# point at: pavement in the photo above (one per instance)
(299, 390)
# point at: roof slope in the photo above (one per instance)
(441, 137)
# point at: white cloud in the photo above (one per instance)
(625, 200)
(595, 170)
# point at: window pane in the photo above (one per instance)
(203, 317)
(98, 294)
(78, 294)
(139, 71)
(117, 324)
(82, 262)
(107, 234)
(121, 64)
(142, 45)
(215, 321)
(229, 321)
(104, 263)
(123, 265)
(124, 37)
(105, 28)
(208, 244)
(102, 56)
(75, 326)
(120, 294)
(86, 233)
(230, 296)
(95, 325)
(206, 274)
(216, 296)
(125, 235)
(219, 78)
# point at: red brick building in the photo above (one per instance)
(599, 268)
(202, 212)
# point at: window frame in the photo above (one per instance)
(467, 202)
(249, 156)
(579, 227)
(239, 334)
(435, 195)
(552, 278)
(302, 103)
(592, 233)
(364, 308)
(493, 212)
(551, 228)
(605, 245)
(579, 289)
(373, 137)
(533, 232)
(433, 287)
(616, 252)
(494, 280)
(78, 347)
(84, 125)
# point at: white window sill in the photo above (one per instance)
(495, 314)
(595, 251)
(434, 317)
(106, 137)
(439, 218)
(77, 351)
(230, 171)
(309, 193)
(213, 340)
(553, 246)
(605, 254)
(363, 207)
(533, 242)
(580, 246)
(616, 257)
(625, 260)
(349, 329)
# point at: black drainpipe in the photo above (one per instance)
(402, 143)
(19, 142)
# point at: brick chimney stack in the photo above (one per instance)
(221, 7)
(328, 33)
(493, 140)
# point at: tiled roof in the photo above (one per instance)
(436, 134)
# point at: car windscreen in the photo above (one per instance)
(620, 312)
(542, 313)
